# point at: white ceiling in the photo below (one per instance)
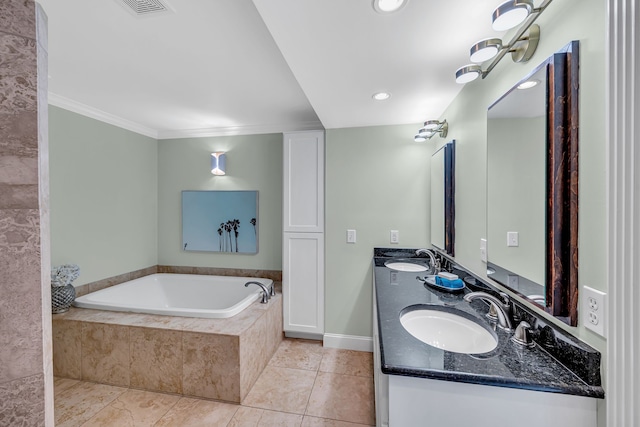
(221, 67)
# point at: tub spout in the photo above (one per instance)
(265, 291)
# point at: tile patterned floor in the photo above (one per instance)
(304, 385)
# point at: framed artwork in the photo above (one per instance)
(220, 221)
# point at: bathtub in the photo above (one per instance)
(187, 295)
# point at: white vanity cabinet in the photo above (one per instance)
(303, 234)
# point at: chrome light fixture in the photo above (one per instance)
(430, 129)
(522, 45)
(484, 50)
(511, 13)
(219, 163)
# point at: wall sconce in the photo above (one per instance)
(430, 129)
(219, 163)
(522, 45)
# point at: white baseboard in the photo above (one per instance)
(348, 342)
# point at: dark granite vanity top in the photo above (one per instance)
(509, 365)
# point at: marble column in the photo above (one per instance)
(26, 391)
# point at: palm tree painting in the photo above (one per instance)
(212, 221)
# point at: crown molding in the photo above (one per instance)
(239, 130)
(94, 113)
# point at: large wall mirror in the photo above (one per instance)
(443, 215)
(532, 186)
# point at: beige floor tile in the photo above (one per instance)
(254, 417)
(342, 397)
(77, 404)
(347, 362)
(324, 422)
(281, 389)
(133, 408)
(198, 413)
(298, 354)
(62, 384)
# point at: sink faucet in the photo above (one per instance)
(265, 291)
(434, 264)
(502, 308)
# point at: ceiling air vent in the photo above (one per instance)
(145, 7)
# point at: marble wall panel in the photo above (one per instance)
(19, 69)
(21, 310)
(18, 17)
(105, 353)
(67, 349)
(156, 360)
(211, 366)
(22, 402)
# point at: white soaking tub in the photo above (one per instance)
(186, 295)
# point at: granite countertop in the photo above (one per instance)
(509, 365)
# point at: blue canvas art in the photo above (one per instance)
(220, 221)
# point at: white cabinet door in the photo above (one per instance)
(304, 182)
(303, 284)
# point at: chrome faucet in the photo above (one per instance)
(501, 308)
(434, 264)
(265, 291)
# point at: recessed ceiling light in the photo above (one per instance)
(528, 84)
(388, 6)
(381, 96)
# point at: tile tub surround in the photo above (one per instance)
(210, 358)
(507, 366)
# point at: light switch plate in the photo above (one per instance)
(351, 236)
(594, 310)
(512, 238)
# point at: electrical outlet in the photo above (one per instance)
(594, 309)
(483, 250)
(394, 236)
(351, 236)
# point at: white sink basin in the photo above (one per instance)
(405, 266)
(448, 331)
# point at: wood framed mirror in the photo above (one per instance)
(532, 186)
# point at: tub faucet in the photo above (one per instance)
(265, 291)
(502, 308)
(434, 264)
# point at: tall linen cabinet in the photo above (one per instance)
(303, 235)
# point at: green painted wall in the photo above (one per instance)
(377, 180)
(254, 162)
(103, 196)
(562, 22)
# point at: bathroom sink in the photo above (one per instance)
(406, 266)
(447, 330)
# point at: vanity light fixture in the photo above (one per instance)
(484, 50)
(522, 45)
(388, 6)
(381, 96)
(218, 163)
(430, 129)
(511, 14)
(468, 73)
